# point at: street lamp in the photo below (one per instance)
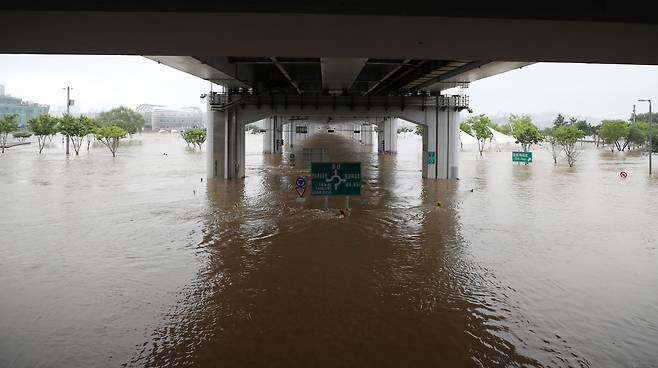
(68, 104)
(650, 140)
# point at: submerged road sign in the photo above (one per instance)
(300, 185)
(338, 178)
(524, 157)
(431, 158)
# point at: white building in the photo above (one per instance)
(157, 117)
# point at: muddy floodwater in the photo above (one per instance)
(137, 261)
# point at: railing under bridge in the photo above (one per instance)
(223, 101)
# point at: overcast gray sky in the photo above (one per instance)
(102, 82)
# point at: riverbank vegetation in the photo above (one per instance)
(194, 136)
(562, 136)
(119, 122)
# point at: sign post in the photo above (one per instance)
(523, 157)
(337, 178)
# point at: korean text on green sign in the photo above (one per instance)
(338, 178)
(524, 157)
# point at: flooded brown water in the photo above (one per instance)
(117, 262)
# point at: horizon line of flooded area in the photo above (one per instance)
(138, 261)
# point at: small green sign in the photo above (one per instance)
(524, 157)
(431, 158)
(338, 178)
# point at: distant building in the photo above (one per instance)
(25, 110)
(157, 117)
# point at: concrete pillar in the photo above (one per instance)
(430, 148)
(273, 137)
(267, 136)
(277, 143)
(453, 144)
(366, 134)
(225, 145)
(388, 136)
(441, 145)
(214, 146)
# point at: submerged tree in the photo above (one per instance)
(8, 124)
(43, 127)
(466, 128)
(612, 131)
(88, 128)
(637, 134)
(110, 136)
(72, 128)
(502, 128)
(123, 117)
(480, 125)
(551, 138)
(21, 135)
(567, 136)
(525, 131)
(194, 136)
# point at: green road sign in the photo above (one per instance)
(338, 178)
(431, 158)
(524, 157)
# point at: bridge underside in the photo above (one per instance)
(439, 115)
(360, 60)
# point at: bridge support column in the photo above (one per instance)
(267, 136)
(388, 136)
(225, 145)
(273, 137)
(366, 134)
(277, 143)
(441, 145)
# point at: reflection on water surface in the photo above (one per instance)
(536, 266)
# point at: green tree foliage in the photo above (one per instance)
(567, 136)
(22, 135)
(503, 128)
(612, 131)
(551, 138)
(43, 126)
(525, 131)
(123, 117)
(110, 136)
(644, 117)
(8, 124)
(466, 128)
(194, 136)
(73, 128)
(480, 126)
(88, 129)
(419, 129)
(559, 121)
(637, 135)
(585, 127)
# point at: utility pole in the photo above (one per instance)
(634, 113)
(650, 134)
(68, 104)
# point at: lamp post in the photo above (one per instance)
(68, 104)
(650, 139)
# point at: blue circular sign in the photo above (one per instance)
(300, 182)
